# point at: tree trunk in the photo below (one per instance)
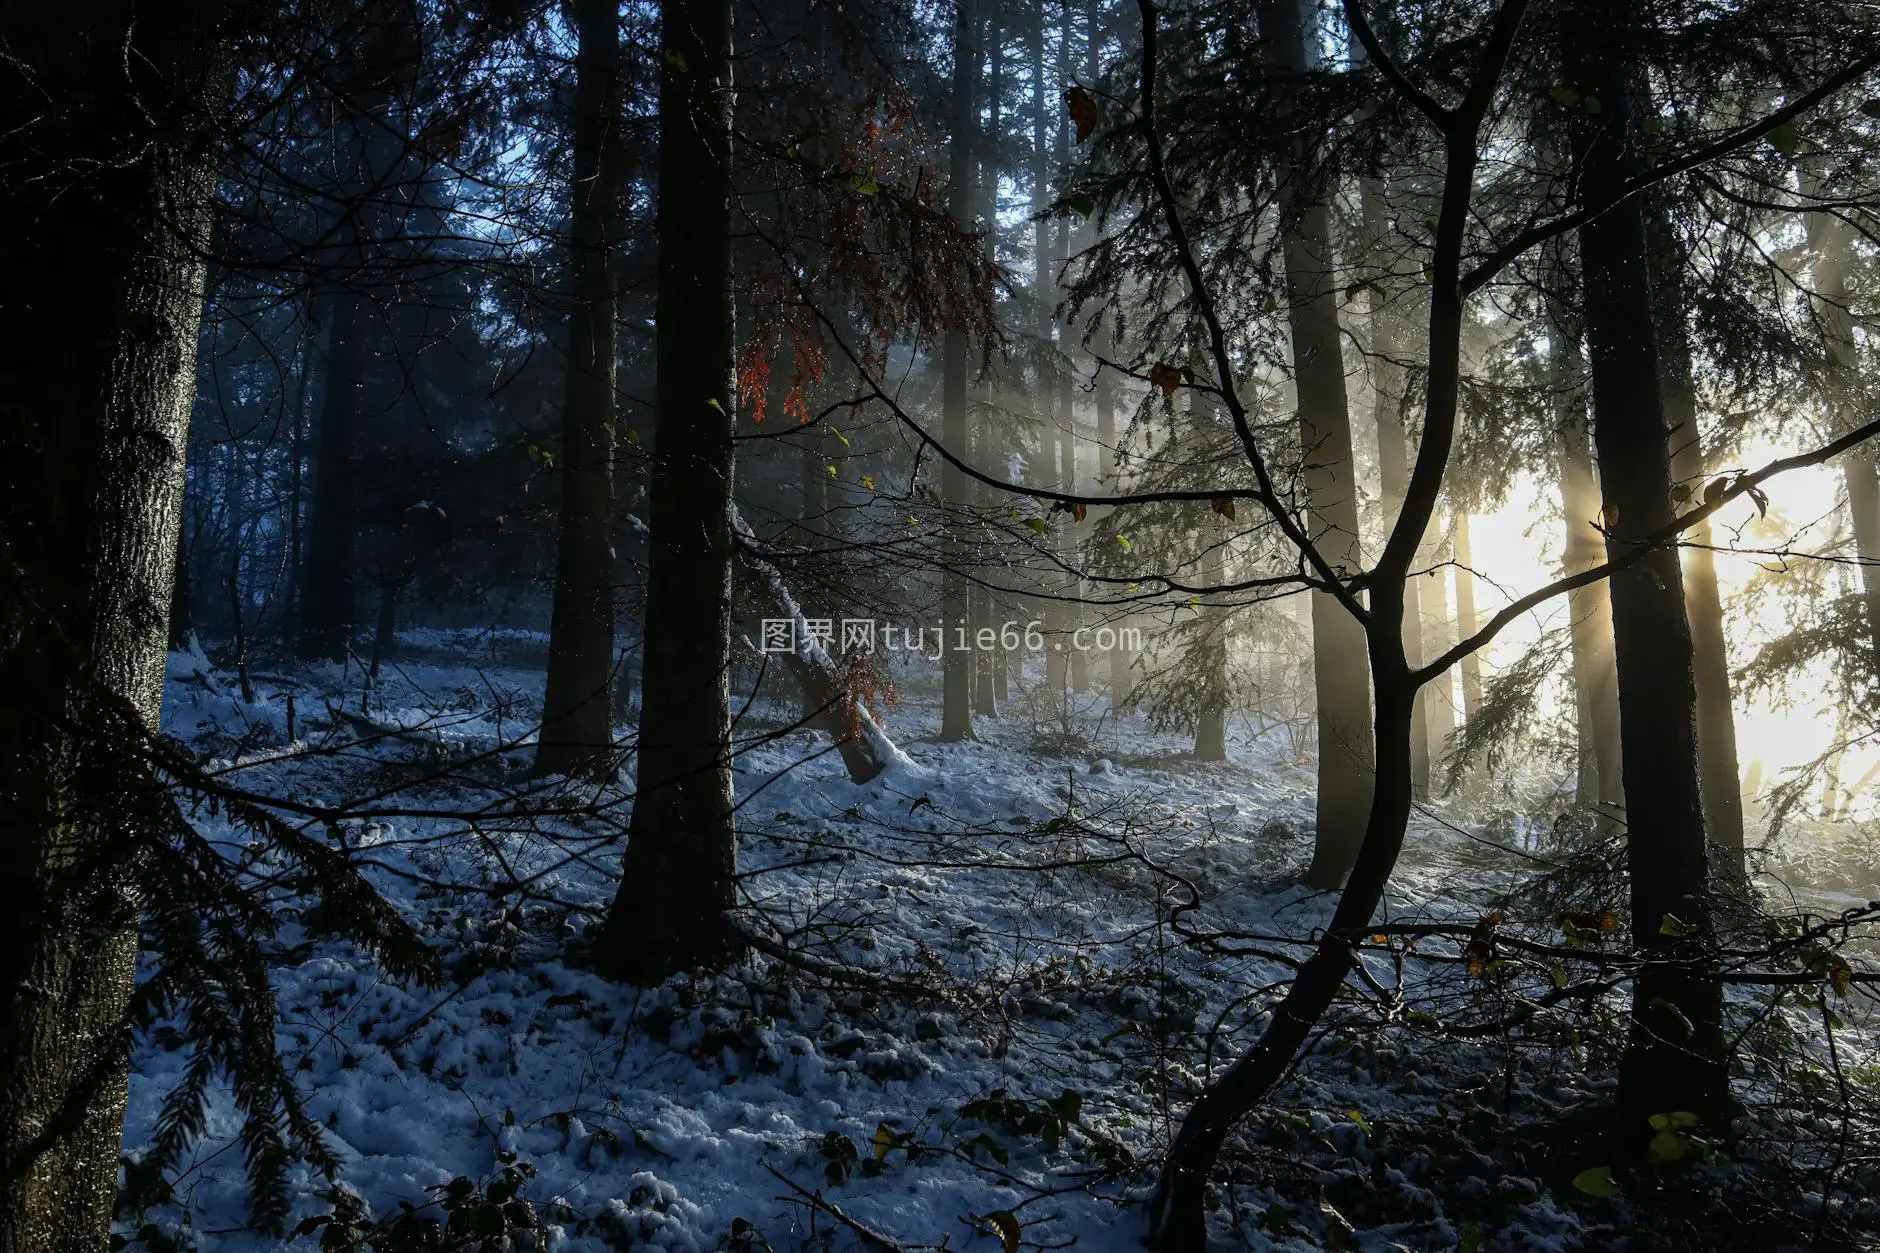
(110, 193)
(1717, 770)
(1674, 1058)
(865, 747)
(296, 496)
(956, 710)
(988, 663)
(1393, 450)
(1439, 694)
(1073, 610)
(1831, 242)
(1589, 609)
(1468, 622)
(678, 880)
(1211, 717)
(1177, 1213)
(1595, 682)
(577, 710)
(1339, 667)
(329, 590)
(385, 633)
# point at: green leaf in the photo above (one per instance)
(1597, 1181)
(1670, 1008)
(1677, 929)
(1677, 1120)
(1082, 206)
(1669, 1146)
(1784, 139)
(1124, 541)
(864, 183)
(1870, 108)
(1038, 525)
(1563, 94)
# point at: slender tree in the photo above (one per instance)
(1338, 649)
(1589, 607)
(1674, 1057)
(678, 880)
(1831, 242)
(1717, 770)
(577, 715)
(956, 711)
(1387, 353)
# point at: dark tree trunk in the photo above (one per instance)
(1393, 449)
(988, 446)
(329, 591)
(385, 633)
(296, 501)
(1674, 1057)
(110, 154)
(956, 713)
(1339, 666)
(678, 880)
(1717, 770)
(577, 710)
(1177, 1213)
(1066, 399)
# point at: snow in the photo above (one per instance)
(1030, 896)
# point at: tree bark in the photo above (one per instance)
(1589, 609)
(865, 747)
(1468, 622)
(956, 708)
(989, 448)
(1393, 449)
(577, 712)
(1718, 773)
(329, 589)
(1674, 1059)
(678, 880)
(1831, 242)
(1339, 666)
(111, 161)
(1595, 682)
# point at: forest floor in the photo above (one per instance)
(1013, 959)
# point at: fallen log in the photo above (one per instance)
(865, 746)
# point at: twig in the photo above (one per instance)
(815, 1200)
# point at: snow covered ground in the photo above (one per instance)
(1015, 1044)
